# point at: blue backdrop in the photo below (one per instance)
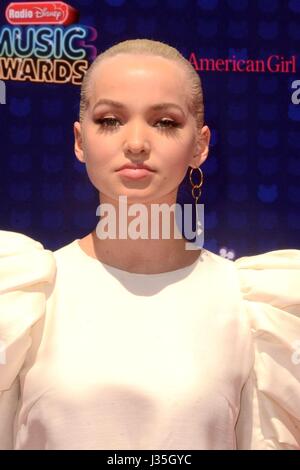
(251, 186)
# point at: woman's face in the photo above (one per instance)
(165, 139)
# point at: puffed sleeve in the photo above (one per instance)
(27, 272)
(270, 401)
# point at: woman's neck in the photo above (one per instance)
(140, 256)
(140, 237)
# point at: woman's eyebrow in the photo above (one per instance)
(155, 107)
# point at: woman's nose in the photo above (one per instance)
(136, 139)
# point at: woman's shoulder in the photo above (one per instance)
(270, 402)
(23, 261)
(27, 274)
(69, 251)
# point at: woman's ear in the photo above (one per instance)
(78, 147)
(202, 147)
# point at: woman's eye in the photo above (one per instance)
(168, 124)
(107, 122)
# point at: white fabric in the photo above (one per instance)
(204, 357)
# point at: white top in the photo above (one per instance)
(95, 357)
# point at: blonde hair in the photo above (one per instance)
(155, 48)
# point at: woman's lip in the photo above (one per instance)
(135, 173)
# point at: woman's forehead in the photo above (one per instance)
(148, 74)
(135, 60)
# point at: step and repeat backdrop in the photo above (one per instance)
(247, 55)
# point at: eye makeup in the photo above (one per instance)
(109, 124)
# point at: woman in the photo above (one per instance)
(146, 342)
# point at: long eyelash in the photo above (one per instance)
(173, 126)
(108, 127)
(103, 123)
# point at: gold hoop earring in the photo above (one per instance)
(196, 187)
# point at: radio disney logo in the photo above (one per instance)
(43, 12)
(296, 93)
(25, 13)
